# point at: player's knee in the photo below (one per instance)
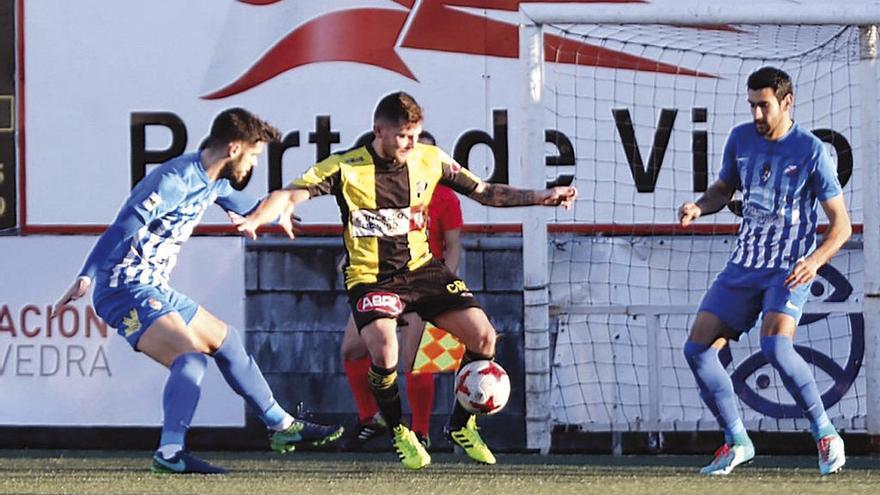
(387, 360)
(483, 341)
(190, 366)
(353, 350)
(777, 349)
(694, 353)
(383, 353)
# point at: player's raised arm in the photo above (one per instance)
(323, 178)
(464, 182)
(713, 200)
(503, 195)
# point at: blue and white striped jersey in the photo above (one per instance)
(782, 183)
(142, 244)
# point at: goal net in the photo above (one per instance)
(636, 116)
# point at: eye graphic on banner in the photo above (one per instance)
(842, 376)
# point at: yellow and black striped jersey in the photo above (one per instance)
(384, 206)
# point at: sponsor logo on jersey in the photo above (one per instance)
(154, 303)
(459, 287)
(762, 217)
(383, 302)
(386, 222)
(132, 323)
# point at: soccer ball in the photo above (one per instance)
(482, 387)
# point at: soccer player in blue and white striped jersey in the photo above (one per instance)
(784, 173)
(129, 268)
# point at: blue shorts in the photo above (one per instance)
(131, 309)
(740, 294)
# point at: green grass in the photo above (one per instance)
(57, 472)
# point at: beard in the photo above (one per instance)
(237, 183)
(762, 128)
(399, 156)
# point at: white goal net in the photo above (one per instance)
(636, 116)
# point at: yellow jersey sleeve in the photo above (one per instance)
(323, 178)
(456, 177)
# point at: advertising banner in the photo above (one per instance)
(75, 370)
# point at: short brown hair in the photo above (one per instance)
(398, 108)
(238, 124)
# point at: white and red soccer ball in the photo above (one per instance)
(482, 387)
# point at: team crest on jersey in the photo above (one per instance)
(766, 172)
(152, 201)
(421, 187)
(383, 302)
(132, 323)
(154, 303)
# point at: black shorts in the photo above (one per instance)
(429, 290)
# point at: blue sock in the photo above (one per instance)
(799, 381)
(244, 376)
(181, 396)
(716, 390)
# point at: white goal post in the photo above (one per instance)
(540, 18)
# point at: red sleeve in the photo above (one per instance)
(444, 213)
(445, 209)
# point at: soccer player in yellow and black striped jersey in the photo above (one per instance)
(383, 190)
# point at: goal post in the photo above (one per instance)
(536, 315)
(623, 282)
(869, 76)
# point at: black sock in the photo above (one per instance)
(383, 383)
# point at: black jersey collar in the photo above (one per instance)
(378, 161)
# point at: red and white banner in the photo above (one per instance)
(111, 87)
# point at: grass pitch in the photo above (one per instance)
(124, 472)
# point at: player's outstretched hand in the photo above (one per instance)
(563, 196)
(234, 217)
(245, 226)
(802, 273)
(687, 213)
(79, 288)
(289, 222)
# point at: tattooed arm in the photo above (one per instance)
(491, 194)
(464, 182)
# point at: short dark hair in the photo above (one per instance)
(427, 136)
(238, 124)
(771, 77)
(398, 107)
